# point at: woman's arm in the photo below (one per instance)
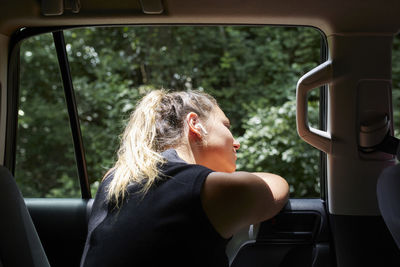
(234, 200)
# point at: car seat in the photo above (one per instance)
(388, 195)
(19, 243)
(377, 136)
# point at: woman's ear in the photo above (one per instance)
(193, 122)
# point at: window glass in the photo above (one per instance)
(45, 161)
(252, 72)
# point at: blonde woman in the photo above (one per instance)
(173, 197)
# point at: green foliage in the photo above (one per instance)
(271, 144)
(45, 155)
(252, 71)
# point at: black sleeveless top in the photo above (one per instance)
(166, 227)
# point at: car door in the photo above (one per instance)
(300, 233)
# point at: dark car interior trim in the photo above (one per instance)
(72, 113)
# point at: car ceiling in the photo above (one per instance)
(332, 17)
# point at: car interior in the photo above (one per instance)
(354, 221)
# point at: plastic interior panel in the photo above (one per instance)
(3, 93)
(363, 241)
(351, 179)
(297, 236)
(62, 226)
(291, 227)
(374, 102)
(52, 7)
(319, 76)
(152, 7)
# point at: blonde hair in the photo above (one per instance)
(155, 125)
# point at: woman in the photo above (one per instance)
(173, 197)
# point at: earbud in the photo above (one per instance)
(202, 128)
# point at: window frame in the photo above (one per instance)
(13, 101)
(323, 121)
(13, 98)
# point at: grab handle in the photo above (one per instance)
(318, 76)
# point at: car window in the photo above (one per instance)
(251, 70)
(45, 161)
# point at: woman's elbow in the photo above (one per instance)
(280, 193)
(285, 188)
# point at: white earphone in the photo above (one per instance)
(202, 128)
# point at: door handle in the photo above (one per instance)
(318, 76)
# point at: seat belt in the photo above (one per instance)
(390, 145)
(376, 136)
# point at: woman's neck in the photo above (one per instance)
(186, 154)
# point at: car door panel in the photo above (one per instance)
(299, 234)
(62, 227)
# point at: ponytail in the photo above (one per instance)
(137, 158)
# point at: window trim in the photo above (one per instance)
(12, 105)
(69, 93)
(323, 121)
(13, 99)
(13, 90)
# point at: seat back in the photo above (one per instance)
(19, 242)
(388, 193)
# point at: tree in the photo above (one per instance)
(271, 144)
(252, 71)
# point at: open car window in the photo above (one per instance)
(45, 160)
(251, 70)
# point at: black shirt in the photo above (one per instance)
(166, 227)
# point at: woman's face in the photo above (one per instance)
(219, 148)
